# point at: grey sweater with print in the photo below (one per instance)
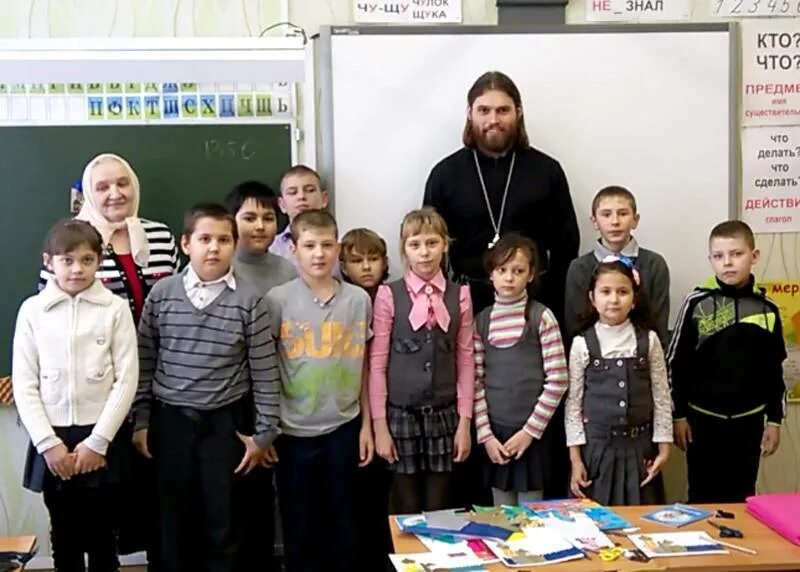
(321, 351)
(207, 359)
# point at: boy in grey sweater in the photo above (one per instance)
(207, 359)
(322, 327)
(614, 216)
(255, 208)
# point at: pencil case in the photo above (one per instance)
(780, 512)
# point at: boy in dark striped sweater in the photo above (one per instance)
(207, 358)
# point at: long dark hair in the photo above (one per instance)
(495, 80)
(640, 315)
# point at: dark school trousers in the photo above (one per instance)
(258, 541)
(82, 520)
(316, 492)
(201, 500)
(723, 457)
(139, 522)
(84, 510)
(373, 485)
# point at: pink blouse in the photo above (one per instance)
(383, 320)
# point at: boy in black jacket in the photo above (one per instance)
(725, 363)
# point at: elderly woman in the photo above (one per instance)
(136, 253)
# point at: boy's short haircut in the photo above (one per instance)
(207, 210)
(301, 170)
(734, 229)
(615, 192)
(255, 190)
(314, 218)
(68, 234)
(366, 242)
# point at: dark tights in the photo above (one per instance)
(421, 491)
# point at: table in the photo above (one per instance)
(774, 552)
(17, 543)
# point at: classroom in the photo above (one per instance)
(576, 152)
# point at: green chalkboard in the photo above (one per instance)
(177, 165)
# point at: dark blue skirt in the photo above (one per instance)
(531, 472)
(36, 472)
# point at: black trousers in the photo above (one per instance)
(258, 541)
(373, 484)
(316, 478)
(139, 522)
(723, 457)
(195, 454)
(82, 521)
(560, 467)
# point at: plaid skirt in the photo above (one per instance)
(423, 438)
(615, 462)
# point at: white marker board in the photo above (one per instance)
(651, 108)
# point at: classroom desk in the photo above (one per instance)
(774, 552)
(17, 543)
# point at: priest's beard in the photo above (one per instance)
(498, 140)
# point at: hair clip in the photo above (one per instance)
(625, 261)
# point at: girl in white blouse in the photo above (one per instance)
(618, 414)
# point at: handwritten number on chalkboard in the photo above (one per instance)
(229, 149)
(719, 6)
(246, 151)
(754, 7)
(737, 8)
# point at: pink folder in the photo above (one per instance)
(780, 512)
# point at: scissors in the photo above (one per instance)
(726, 531)
(611, 554)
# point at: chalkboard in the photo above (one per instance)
(177, 166)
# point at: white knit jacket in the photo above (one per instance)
(75, 362)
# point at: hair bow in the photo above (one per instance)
(625, 261)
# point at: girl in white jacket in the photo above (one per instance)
(74, 374)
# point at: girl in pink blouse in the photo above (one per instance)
(422, 371)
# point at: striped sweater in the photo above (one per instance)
(163, 262)
(506, 326)
(207, 358)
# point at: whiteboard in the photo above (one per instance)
(646, 108)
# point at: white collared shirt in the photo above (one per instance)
(200, 293)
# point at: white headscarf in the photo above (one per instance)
(90, 212)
